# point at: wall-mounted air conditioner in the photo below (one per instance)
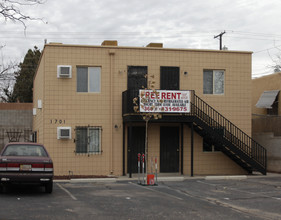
(64, 71)
(64, 132)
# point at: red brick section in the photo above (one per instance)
(16, 106)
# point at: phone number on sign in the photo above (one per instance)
(165, 109)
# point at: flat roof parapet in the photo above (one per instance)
(16, 106)
(150, 46)
(55, 43)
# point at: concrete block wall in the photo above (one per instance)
(273, 146)
(15, 122)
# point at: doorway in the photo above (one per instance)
(169, 149)
(137, 146)
(137, 77)
(169, 78)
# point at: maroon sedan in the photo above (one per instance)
(26, 163)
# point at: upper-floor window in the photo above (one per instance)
(213, 82)
(88, 79)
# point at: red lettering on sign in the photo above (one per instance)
(168, 95)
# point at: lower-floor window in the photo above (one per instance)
(208, 146)
(88, 139)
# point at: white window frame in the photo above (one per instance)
(96, 70)
(214, 82)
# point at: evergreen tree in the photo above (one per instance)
(24, 77)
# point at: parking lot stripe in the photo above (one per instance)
(263, 194)
(148, 188)
(69, 193)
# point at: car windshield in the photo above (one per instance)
(25, 150)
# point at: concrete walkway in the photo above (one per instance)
(172, 177)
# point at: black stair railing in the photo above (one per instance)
(243, 142)
(217, 125)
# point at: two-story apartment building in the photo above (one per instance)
(84, 101)
(266, 117)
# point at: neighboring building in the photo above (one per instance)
(266, 117)
(83, 106)
(265, 95)
(15, 122)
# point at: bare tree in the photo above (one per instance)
(6, 68)
(7, 77)
(276, 61)
(11, 10)
(277, 64)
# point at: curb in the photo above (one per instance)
(111, 180)
(168, 179)
(88, 180)
(241, 177)
(159, 179)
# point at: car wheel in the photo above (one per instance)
(49, 187)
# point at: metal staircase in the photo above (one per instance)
(212, 126)
(232, 141)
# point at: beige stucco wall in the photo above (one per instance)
(38, 94)
(61, 102)
(261, 84)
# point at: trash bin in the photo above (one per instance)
(150, 179)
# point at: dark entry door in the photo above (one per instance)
(169, 78)
(137, 146)
(169, 149)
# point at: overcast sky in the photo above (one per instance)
(250, 25)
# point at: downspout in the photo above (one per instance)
(181, 148)
(111, 54)
(192, 150)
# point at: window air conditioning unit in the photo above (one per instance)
(64, 71)
(64, 132)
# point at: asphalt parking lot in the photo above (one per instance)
(193, 198)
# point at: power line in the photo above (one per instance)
(275, 47)
(253, 33)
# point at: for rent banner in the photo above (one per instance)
(165, 101)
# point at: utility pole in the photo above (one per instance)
(220, 35)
